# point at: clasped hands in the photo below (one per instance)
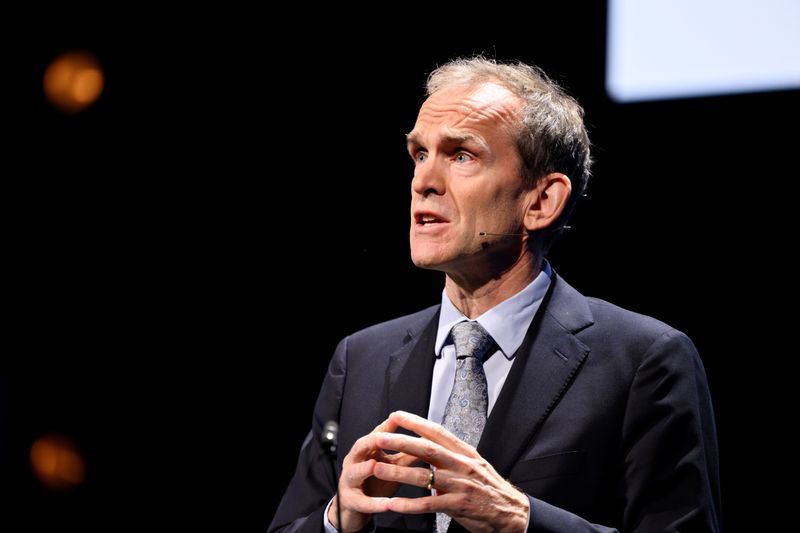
(467, 487)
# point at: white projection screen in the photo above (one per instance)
(663, 49)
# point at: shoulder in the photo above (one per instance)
(400, 325)
(644, 335)
(615, 333)
(393, 333)
(626, 323)
(579, 314)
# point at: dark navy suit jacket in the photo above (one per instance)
(605, 420)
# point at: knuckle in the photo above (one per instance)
(461, 505)
(360, 444)
(430, 450)
(469, 489)
(471, 468)
(389, 471)
(465, 466)
(424, 476)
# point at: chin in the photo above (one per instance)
(424, 262)
(428, 261)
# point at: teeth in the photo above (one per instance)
(428, 218)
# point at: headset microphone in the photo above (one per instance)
(486, 233)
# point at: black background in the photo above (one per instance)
(183, 257)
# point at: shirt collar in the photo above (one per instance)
(507, 322)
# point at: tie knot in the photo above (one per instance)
(471, 340)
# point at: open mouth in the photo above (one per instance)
(428, 219)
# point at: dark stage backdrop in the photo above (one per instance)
(185, 256)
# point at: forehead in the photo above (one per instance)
(484, 108)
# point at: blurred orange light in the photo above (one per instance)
(56, 462)
(73, 81)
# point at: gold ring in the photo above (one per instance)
(431, 479)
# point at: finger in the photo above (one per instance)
(357, 473)
(363, 449)
(388, 426)
(361, 503)
(428, 451)
(432, 431)
(366, 445)
(424, 504)
(401, 459)
(442, 480)
(419, 477)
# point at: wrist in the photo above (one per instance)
(333, 513)
(525, 521)
(519, 518)
(352, 521)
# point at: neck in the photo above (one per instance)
(474, 295)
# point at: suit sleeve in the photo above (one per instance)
(670, 461)
(314, 482)
(669, 464)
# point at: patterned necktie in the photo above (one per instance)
(465, 413)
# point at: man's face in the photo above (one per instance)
(467, 178)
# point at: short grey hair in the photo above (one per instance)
(552, 136)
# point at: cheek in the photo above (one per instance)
(495, 203)
(505, 210)
(471, 203)
(498, 203)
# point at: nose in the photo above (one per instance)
(428, 178)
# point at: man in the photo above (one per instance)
(599, 419)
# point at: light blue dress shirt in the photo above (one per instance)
(507, 323)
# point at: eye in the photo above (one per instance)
(463, 157)
(420, 157)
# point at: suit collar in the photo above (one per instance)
(506, 322)
(546, 363)
(568, 307)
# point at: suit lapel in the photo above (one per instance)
(410, 371)
(410, 375)
(544, 366)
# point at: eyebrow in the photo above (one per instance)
(413, 139)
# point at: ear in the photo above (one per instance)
(547, 200)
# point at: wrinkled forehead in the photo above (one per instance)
(486, 106)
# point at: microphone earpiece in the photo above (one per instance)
(485, 233)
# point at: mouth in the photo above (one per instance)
(428, 219)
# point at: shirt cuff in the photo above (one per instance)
(327, 523)
(530, 511)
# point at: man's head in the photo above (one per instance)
(497, 149)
